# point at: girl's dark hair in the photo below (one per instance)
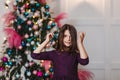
(60, 46)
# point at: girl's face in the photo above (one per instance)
(67, 38)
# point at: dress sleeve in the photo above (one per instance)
(82, 61)
(42, 55)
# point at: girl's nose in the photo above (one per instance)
(69, 38)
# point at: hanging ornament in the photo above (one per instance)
(46, 7)
(32, 42)
(46, 74)
(33, 9)
(39, 73)
(37, 5)
(34, 72)
(31, 63)
(22, 10)
(10, 63)
(20, 47)
(18, 59)
(51, 69)
(53, 24)
(31, 35)
(39, 21)
(28, 44)
(26, 5)
(37, 14)
(55, 37)
(36, 33)
(35, 27)
(26, 14)
(48, 27)
(50, 22)
(28, 73)
(17, 75)
(9, 51)
(29, 22)
(26, 52)
(19, 27)
(34, 48)
(30, 29)
(23, 43)
(4, 59)
(26, 35)
(26, 65)
(46, 13)
(1, 68)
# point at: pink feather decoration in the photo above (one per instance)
(42, 1)
(46, 64)
(59, 17)
(14, 39)
(8, 17)
(85, 74)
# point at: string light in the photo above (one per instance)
(7, 4)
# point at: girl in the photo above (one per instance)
(68, 54)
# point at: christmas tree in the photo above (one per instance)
(26, 27)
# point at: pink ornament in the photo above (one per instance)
(4, 59)
(29, 22)
(39, 73)
(26, 35)
(20, 47)
(23, 11)
(19, 27)
(35, 27)
(34, 72)
(31, 63)
(36, 14)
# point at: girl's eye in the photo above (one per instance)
(65, 35)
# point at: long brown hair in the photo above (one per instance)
(60, 46)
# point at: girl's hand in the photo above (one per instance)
(49, 36)
(82, 35)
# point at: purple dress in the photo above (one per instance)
(65, 65)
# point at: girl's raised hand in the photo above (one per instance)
(82, 35)
(49, 36)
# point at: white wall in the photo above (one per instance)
(100, 19)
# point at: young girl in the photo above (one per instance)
(68, 54)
